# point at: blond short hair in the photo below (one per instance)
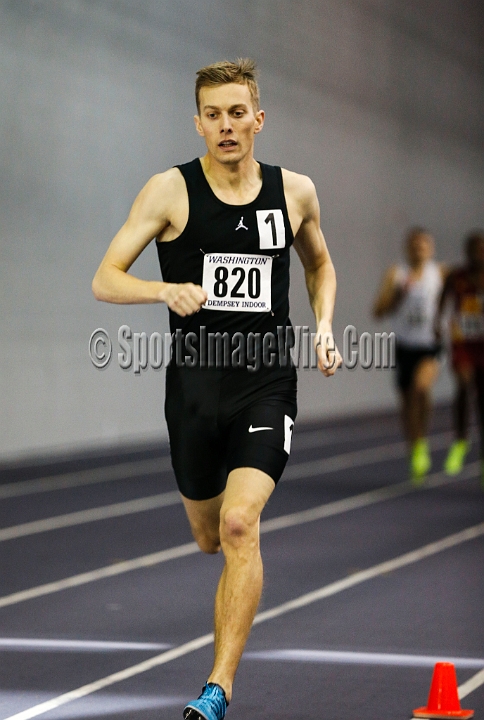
(243, 72)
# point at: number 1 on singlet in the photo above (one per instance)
(272, 232)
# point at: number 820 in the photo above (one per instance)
(221, 285)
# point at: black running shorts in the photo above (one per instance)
(407, 361)
(219, 420)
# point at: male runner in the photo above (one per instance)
(224, 225)
(410, 294)
(464, 290)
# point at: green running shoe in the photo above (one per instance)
(454, 461)
(420, 462)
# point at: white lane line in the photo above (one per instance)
(120, 471)
(364, 499)
(384, 567)
(40, 644)
(127, 470)
(309, 439)
(361, 658)
(98, 706)
(368, 456)
(131, 468)
(114, 678)
(85, 516)
(100, 573)
(470, 685)
(284, 521)
(320, 438)
(304, 600)
(292, 472)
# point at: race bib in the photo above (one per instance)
(237, 282)
(471, 326)
(471, 317)
(415, 315)
(416, 318)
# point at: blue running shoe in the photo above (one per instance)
(211, 704)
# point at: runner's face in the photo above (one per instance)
(228, 121)
(420, 248)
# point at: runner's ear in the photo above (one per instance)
(259, 116)
(198, 125)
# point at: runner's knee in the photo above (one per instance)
(208, 541)
(237, 525)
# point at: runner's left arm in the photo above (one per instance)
(319, 272)
(445, 295)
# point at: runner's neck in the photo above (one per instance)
(237, 184)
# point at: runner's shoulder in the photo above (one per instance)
(458, 275)
(162, 194)
(298, 184)
(299, 189)
(456, 281)
(168, 183)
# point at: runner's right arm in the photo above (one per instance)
(150, 216)
(389, 295)
(444, 297)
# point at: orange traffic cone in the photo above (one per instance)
(443, 700)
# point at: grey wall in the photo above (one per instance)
(379, 101)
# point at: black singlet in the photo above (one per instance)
(238, 253)
(218, 418)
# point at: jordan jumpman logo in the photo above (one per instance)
(241, 224)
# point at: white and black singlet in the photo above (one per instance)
(231, 386)
(414, 321)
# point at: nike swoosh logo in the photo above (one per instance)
(253, 429)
